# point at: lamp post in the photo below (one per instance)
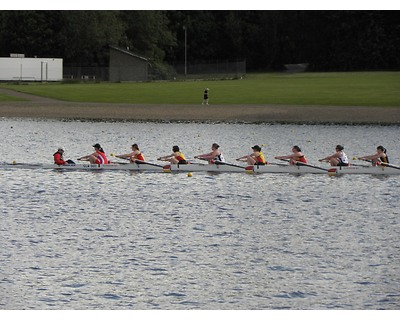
(184, 28)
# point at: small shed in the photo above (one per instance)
(19, 68)
(127, 66)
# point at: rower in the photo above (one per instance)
(213, 156)
(377, 158)
(97, 157)
(134, 155)
(255, 158)
(176, 157)
(296, 156)
(339, 158)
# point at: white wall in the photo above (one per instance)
(31, 69)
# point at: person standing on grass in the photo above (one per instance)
(205, 96)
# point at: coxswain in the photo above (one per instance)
(379, 158)
(255, 158)
(59, 157)
(176, 157)
(134, 155)
(295, 157)
(97, 157)
(339, 158)
(213, 156)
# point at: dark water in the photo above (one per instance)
(122, 240)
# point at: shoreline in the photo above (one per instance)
(46, 108)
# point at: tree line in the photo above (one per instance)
(326, 40)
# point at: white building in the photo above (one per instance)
(19, 68)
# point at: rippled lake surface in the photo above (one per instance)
(125, 240)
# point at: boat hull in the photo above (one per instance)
(86, 166)
(377, 170)
(200, 167)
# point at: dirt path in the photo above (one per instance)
(40, 107)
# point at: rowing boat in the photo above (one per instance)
(301, 169)
(86, 166)
(200, 167)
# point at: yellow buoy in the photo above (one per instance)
(14, 162)
(190, 174)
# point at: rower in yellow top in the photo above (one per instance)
(378, 158)
(134, 155)
(255, 158)
(176, 157)
(295, 157)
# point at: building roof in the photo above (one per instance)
(127, 52)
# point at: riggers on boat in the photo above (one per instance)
(202, 167)
(332, 171)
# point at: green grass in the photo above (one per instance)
(5, 97)
(337, 89)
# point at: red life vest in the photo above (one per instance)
(58, 159)
(101, 158)
(301, 159)
(139, 156)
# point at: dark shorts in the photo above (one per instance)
(182, 162)
(342, 164)
(259, 164)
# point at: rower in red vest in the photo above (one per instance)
(97, 157)
(134, 155)
(296, 156)
(59, 157)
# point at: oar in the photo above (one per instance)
(116, 156)
(385, 164)
(116, 162)
(298, 163)
(228, 164)
(148, 163)
(136, 161)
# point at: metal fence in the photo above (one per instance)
(86, 73)
(226, 69)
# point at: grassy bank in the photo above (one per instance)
(334, 89)
(5, 97)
